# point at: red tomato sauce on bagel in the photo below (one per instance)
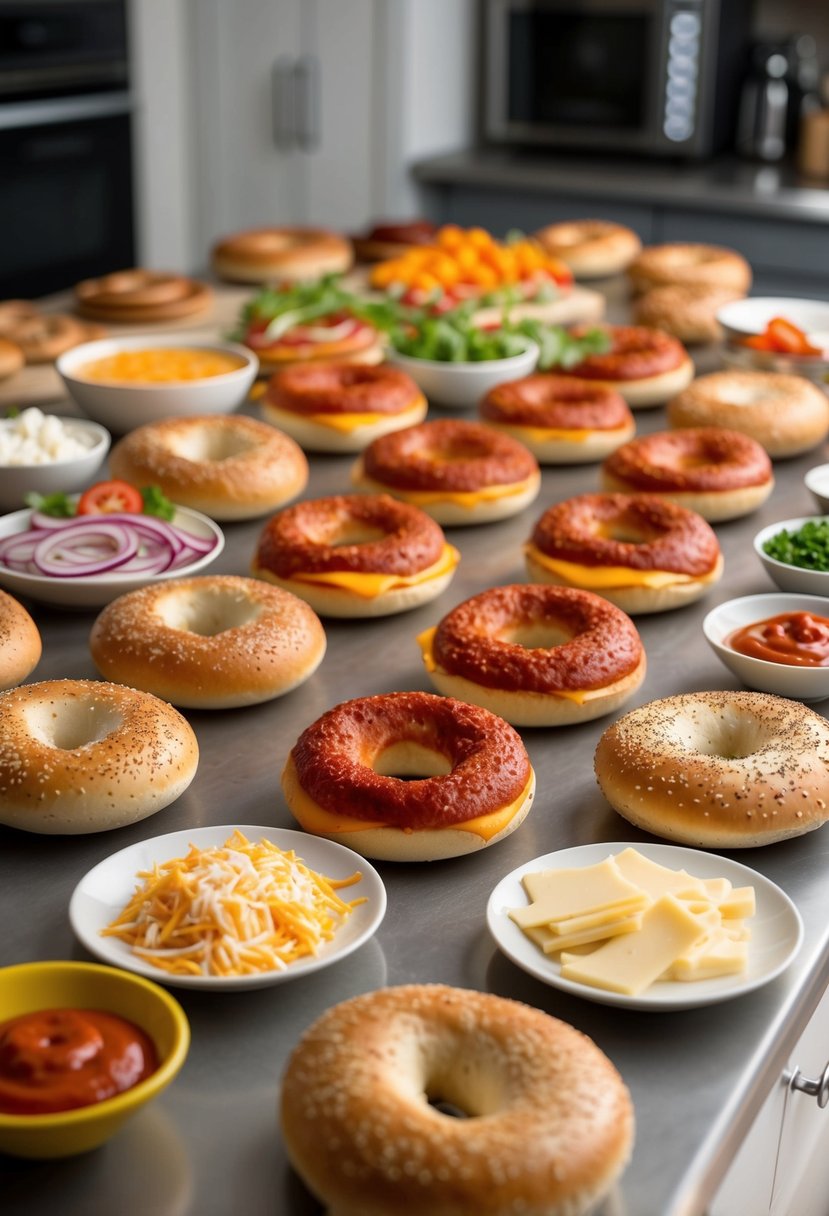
(546, 400)
(636, 353)
(447, 455)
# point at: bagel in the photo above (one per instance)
(343, 777)
(689, 264)
(215, 642)
(20, 645)
(141, 296)
(722, 770)
(645, 365)
(686, 311)
(45, 336)
(12, 358)
(555, 1126)
(78, 756)
(536, 655)
(640, 551)
(342, 407)
(719, 473)
(226, 465)
(458, 472)
(593, 249)
(786, 415)
(559, 419)
(356, 555)
(288, 255)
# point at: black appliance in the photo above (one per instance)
(656, 77)
(66, 178)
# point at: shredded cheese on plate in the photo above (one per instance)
(240, 909)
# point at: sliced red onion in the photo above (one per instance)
(53, 555)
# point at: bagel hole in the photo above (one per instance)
(626, 534)
(535, 635)
(410, 761)
(348, 533)
(211, 444)
(726, 736)
(206, 613)
(68, 725)
(457, 1084)
(448, 1108)
(458, 450)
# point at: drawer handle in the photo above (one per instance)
(817, 1089)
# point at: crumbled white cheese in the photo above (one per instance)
(37, 438)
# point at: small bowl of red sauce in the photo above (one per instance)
(82, 1049)
(777, 643)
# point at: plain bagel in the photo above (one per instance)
(20, 645)
(267, 255)
(690, 264)
(786, 415)
(80, 756)
(556, 1125)
(593, 249)
(686, 311)
(215, 642)
(722, 770)
(228, 466)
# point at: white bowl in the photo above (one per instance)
(462, 385)
(16, 480)
(792, 578)
(744, 318)
(123, 407)
(817, 483)
(799, 683)
(95, 591)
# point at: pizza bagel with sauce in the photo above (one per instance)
(720, 770)
(645, 365)
(356, 555)
(342, 407)
(20, 644)
(554, 1126)
(82, 756)
(536, 655)
(560, 420)
(458, 472)
(719, 473)
(639, 551)
(210, 642)
(344, 778)
(226, 465)
(593, 249)
(786, 415)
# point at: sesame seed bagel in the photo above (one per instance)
(689, 264)
(344, 777)
(215, 642)
(554, 1125)
(536, 655)
(786, 415)
(80, 756)
(723, 770)
(686, 311)
(20, 645)
(228, 466)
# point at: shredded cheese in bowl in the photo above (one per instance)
(239, 909)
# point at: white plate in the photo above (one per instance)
(752, 315)
(776, 929)
(97, 590)
(102, 894)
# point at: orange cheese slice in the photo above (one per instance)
(327, 823)
(369, 586)
(590, 577)
(544, 434)
(350, 422)
(468, 498)
(426, 640)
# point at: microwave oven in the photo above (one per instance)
(654, 77)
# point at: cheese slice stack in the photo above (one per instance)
(628, 921)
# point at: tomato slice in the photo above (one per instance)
(111, 498)
(788, 339)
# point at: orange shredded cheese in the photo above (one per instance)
(240, 909)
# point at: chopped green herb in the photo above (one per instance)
(807, 548)
(157, 503)
(60, 505)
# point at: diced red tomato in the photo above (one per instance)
(111, 498)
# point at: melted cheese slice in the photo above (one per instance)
(426, 641)
(546, 434)
(589, 577)
(369, 586)
(631, 963)
(327, 823)
(468, 498)
(345, 423)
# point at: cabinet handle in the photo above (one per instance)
(283, 104)
(816, 1089)
(307, 85)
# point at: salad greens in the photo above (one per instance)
(426, 332)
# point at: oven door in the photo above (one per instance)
(66, 197)
(574, 73)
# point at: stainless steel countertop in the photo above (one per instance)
(210, 1146)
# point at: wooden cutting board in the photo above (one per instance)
(41, 384)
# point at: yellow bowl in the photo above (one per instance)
(33, 986)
